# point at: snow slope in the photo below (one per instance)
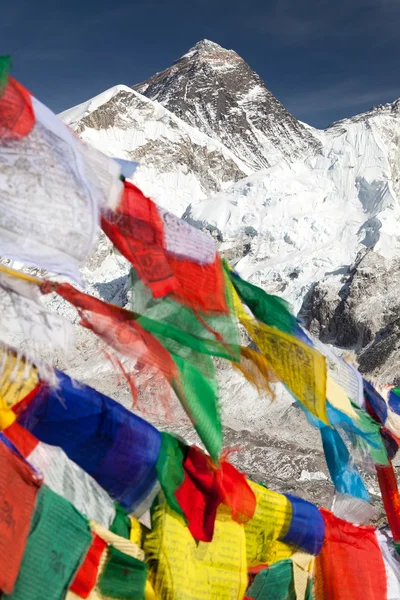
(307, 220)
(178, 164)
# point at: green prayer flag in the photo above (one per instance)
(198, 396)
(58, 541)
(271, 310)
(276, 582)
(191, 339)
(5, 64)
(169, 467)
(369, 431)
(124, 577)
(121, 524)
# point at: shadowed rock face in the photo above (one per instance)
(216, 91)
(361, 313)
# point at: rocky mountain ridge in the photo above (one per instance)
(216, 91)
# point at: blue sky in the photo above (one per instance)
(324, 59)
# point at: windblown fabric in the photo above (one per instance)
(169, 255)
(18, 377)
(301, 368)
(18, 490)
(392, 564)
(67, 479)
(86, 577)
(269, 524)
(181, 568)
(205, 487)
(121, 574)
(23, 317)
(270, 310)
(344, 473)
(256, 369)
(390, 497)
(63, 476)
(16, 112)
(170, 471)
(58, 541)
(275, 582)
(306, 530)
(52, 186)
(350, 566)
(117, 448)
(196, 390)
(123, 577)
(342, 372)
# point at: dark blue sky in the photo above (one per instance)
(324, 59)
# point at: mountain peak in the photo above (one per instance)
(216, 91)
(208, 49)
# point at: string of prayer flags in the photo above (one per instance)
(350, 565)
(52, 186)
(58, 541)
(182, 568)
(169, 255)
(256, 369)
(18, 490)
(117, 448)
(195, 389)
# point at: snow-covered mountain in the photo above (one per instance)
(304, 221)
(216, 91)
(178, 163)
(202, 132)
(293, 208)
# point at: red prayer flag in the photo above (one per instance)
(22, 439)
(350, 565)
(138, 231)
(390, 497)
(117, 327)
(16, 112)
(86, 578)
(205, 487)
(18, 489)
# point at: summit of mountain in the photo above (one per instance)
(216, 91)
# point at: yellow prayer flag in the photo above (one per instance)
(270, 522)
(183, 569)
(299, 366)
(17, 378)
